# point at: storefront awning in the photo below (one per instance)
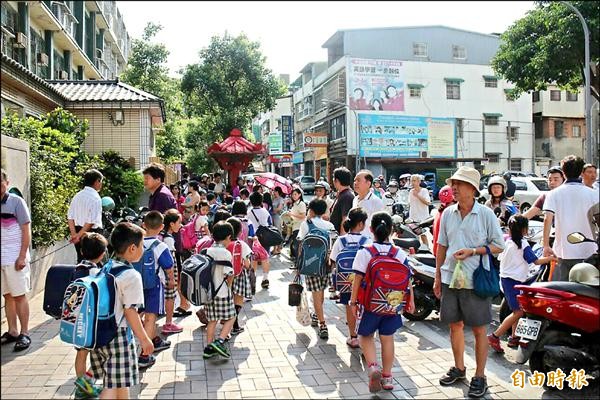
(492, 114)
(458, 80)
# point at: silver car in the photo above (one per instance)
(307, 183)
(528, 189)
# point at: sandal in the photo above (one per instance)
(8, 338)
(22, 343)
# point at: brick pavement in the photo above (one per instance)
(274, 358)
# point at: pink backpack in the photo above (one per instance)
(189, 238)
(204, 243)
(235, 248)
(243, 236)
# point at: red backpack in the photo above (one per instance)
(189, 238)
(235, 248)
(385, 286)
(243, 236)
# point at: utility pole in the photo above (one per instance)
(483, 138)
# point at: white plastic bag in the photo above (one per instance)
(458, 280)
(302, 311)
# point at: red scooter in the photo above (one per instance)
(561, 326)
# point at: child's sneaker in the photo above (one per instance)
(314, 320)
(353, 343)
(85, 388)
(168, 329)
(323, 332)
(146, 361)
(237, 331)
(209, 352)
(160, 344)
(220, 348)
(495, 343)
(387, 382)
(374, 379)
(513, 342)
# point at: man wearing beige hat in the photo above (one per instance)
(466, 229)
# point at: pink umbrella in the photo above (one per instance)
(271, 181)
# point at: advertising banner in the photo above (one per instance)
(281, 158)
(275, 143)
(376, 85)
(287, 130)
(315, 139)
(298, 157)
(389, 136)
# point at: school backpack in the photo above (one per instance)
(88, 312)
(312, 259)
(58, 278)
(385, 286)
(147, 266)
(243, 236)
(189, 238)
(196, 278)
(237, 260)
(343, 263)
(204, 243)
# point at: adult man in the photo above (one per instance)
(161, 198)
(465, 228)
(342, 179)
(567, 206)
(219, 185)
(589, 175)
(85, 210)
(321, 190)
(510, 185)
(15, 282)
(418, 199)
(365, 198)
(555, 179)
(391, 196)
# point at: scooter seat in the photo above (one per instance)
(571, 287)
(407, 243)
(425, 258)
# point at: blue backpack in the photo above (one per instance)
(88, 312)
(343, 263)
(312, 259)
(147, 266)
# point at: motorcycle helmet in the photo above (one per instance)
(585, 274)
(555, 168)
(108, 204)
(506, 176)
(324, 185)
(445, 195)
(393, 187)
(497, 180)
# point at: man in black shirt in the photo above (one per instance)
(342, 179)
(510, 185)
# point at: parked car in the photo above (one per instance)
(430, 180)
(307, 183)
(528, 190)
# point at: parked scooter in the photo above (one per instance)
(562, 320)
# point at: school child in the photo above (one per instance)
(117, 362)
(257, 216)
(514, 268)
(242, 288)
(317, 284)
(93, 249)
(154, 297)
(222, 307)
(387, 325)
(201, 226)
(172, 222)
(172, 225)
(354, 225)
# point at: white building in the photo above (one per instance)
(444, 73)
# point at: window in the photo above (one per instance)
(453, 90)
(491, 119)
(555, 95)
(337, 127)
(513, 132)
(493, 157)
(459, 52)
(420, 49)
(558, 128)
(536, 96)
(516, 165)
(415, 92)
(490, 82)
(571, 96)
(541, 184)
(576, 131)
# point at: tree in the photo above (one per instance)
(547, 46)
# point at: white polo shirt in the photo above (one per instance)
(86, 208)
(370, 204)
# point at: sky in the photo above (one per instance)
(291, 33)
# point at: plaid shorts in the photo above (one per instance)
(170, 293)
(117, 362)
(316, 283)
(241, 285)
(220, 308)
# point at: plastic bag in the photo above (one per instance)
(302, 311)
(458, 280)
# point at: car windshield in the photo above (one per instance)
(541, 184)
(308, 179)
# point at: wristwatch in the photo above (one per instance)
(474, 251)
(355, 303)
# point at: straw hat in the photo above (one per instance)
(466, 174)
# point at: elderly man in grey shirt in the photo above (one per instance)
(467, 230)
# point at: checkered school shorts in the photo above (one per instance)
(241, 285)
(316, 283)
(170, 293)
(220, 308)
(117, 362)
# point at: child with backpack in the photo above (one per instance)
(117, 363)
(93, 249)
(342, 256)
(221, 307)
(240, 210)
(259, 216)
(240, 256)
(156, 269)
(314, 234)
(380, 301)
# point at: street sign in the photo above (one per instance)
(287, 130)
(275, 143)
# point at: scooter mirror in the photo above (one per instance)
(576, 237)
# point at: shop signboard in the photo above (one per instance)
(315, 139)
(287, 130)
(275, 143)
(281, 158)
(298, 157)
(376, 85)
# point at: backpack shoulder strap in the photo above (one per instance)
(257, 220)
(362, 241)
(155, 243)
(344, 241)
(393, 251)
(373, 251)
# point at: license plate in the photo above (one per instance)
(528, 328)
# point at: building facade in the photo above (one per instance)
(413, 99)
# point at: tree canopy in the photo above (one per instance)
(547, 46)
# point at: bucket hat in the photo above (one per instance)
(466, 174)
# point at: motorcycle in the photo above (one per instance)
(560, 327)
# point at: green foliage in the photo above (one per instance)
(120, 179)
(170, 143)
(199, 135)
(547, 46)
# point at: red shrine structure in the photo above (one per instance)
(235, 153)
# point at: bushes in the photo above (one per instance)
(120, 179)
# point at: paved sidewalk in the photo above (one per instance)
(274, 358)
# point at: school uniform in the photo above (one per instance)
(351, 238)
(315, 283)
(154, 298)
(169, 240)
(241, 283)
(222, 307)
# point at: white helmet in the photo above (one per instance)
(497, 180)
(585, 273)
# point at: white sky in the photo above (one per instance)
(292, 33)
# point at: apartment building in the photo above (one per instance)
(412, 99)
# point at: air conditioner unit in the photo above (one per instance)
(423, 154)
(63, 75)
(20, 40)
(42, 59)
